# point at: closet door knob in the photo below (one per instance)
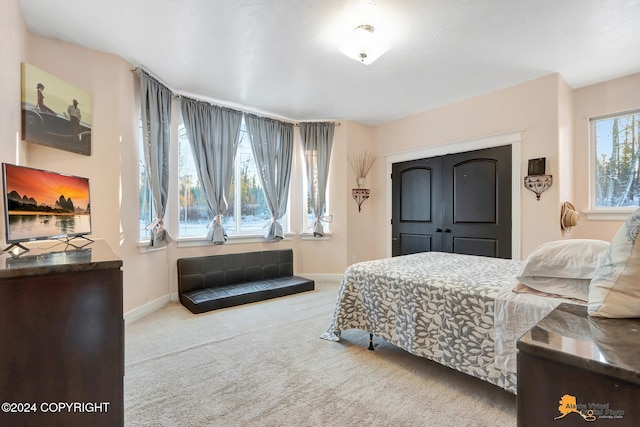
(446, 230)
(438, 230)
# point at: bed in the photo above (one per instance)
(457, 310)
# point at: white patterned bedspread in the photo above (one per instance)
(435, 305)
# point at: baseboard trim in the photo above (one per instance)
(148, 308)
(323, 277)
(157, 304)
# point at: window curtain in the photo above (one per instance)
(317, 141)
(213, 134)
(156, 133)
(272, 145)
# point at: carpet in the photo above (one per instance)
(263, 364)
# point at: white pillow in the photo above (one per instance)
(615, 288)
(571, 259)
(563, 267)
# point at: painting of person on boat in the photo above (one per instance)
(55, 113)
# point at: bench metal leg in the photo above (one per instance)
(371, 342)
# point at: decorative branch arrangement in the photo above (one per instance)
(362, 163)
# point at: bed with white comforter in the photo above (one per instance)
(457, 310)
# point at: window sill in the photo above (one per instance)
(309, 236)
(144, 247)
(612, 214)
(188, 242)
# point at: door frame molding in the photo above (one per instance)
(512, 138)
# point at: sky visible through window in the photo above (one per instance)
(604, 132)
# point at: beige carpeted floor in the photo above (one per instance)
(264, 364)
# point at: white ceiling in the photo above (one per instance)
(281, 57)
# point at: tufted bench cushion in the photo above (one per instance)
(218, 281)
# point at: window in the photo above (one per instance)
(193, 212)
(309, 218)
(144, 193)
(616, 146)
(248, 212)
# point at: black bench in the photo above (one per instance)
(218, 281)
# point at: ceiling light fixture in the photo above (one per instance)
(363, 45)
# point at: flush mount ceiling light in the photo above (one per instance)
(363, 45)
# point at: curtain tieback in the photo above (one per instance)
(269, 222)
(327, 218)
(156, 226)
(216, 220)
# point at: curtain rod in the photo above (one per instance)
(140, 70)
(318, 121)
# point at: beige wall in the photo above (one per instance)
(613, 96)
(566, 147)
(99, 74)
(13, 36)
(550, 115)
(365, 231)
(532, 107)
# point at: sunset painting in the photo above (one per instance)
(42, 204)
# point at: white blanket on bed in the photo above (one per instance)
(516, 313)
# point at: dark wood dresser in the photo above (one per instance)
(61, 336)
(575, 370)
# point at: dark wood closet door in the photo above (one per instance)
(416, 211)
(457, 203)
(477, 202)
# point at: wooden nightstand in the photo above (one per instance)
(576, 370)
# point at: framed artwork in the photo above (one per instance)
(55, 113)
(537, 166)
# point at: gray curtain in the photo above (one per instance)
(317, 140)
(156, 133)
(272, 144)
(213, 134)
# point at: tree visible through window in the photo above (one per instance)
(247, 198)
(617, 160)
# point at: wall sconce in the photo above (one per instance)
(361, 164)
(360, 195)
(538, 183)
(536, 180)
